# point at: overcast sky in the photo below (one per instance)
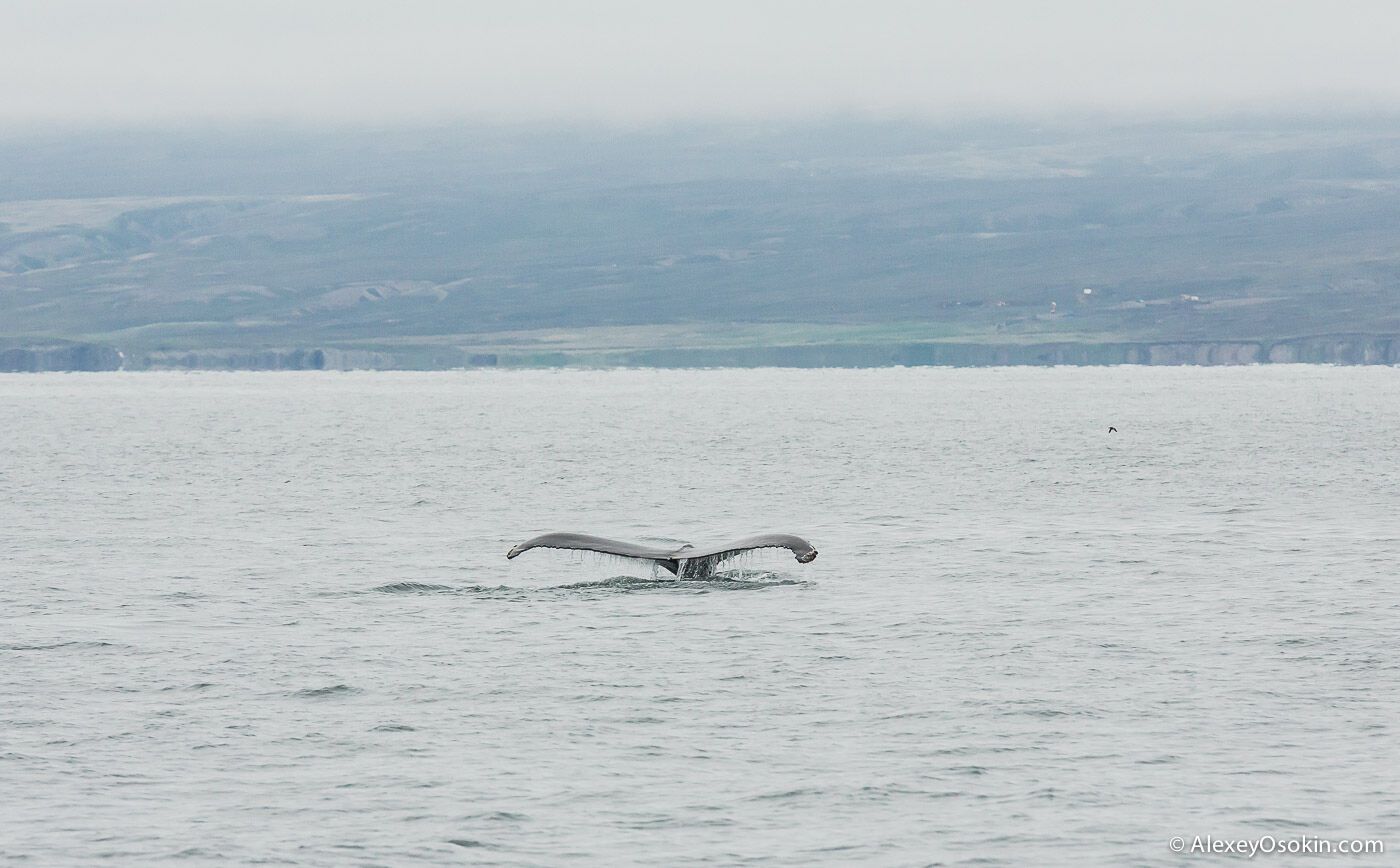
(417, 60)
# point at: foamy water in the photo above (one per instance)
(268, 617)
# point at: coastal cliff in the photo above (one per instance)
(1328, 350)
(298, 359)
(59, 356)
(1333, 350)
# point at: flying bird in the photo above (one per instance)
(685, 561)
(1112, 430)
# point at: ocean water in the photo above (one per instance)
(267, 618)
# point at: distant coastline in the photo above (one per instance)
(845, 243)
(1348, 349)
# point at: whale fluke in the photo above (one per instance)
(685, 560)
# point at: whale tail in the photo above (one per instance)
(685, 561)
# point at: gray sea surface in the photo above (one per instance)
(267, 618)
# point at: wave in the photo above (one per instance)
(413, 588)
(326, 692)
(53, 646)
(735, 581)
